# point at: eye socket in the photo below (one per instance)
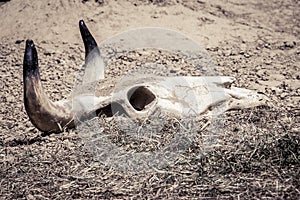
(139, 97)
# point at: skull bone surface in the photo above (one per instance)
(178, 96)
(136, 97)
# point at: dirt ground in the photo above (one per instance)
(257, 155)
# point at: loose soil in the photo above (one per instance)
(255, 156)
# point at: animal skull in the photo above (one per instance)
(136, 97)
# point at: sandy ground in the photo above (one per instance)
(258, 152)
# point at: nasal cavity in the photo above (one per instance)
(139, 97)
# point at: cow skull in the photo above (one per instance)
(136, 97)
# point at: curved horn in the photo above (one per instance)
(44, 114)
(94, 65)
(90, 43)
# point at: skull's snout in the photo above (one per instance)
(141, 98)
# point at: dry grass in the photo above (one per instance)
(255, 157)
(253, 154)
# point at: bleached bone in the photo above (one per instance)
(136, 98)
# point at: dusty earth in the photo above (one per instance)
(256, 156)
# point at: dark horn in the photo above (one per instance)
(90, 43)
(30, 63)
(44, 114)
(93, 65)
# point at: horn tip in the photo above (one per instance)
(29, 44)
(29, 41)
(82, 24)
(30, 62)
